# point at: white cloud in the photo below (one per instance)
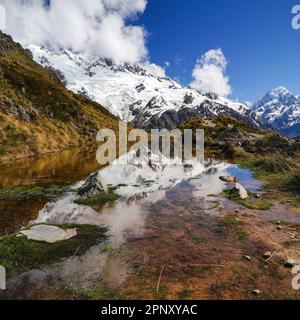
(102, 27)
(209, 74)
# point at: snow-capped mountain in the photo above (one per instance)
(150, 101)
(279, 109)
(132, 93)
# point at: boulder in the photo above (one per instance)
(228, 179)
(14, 110)
(242, 191)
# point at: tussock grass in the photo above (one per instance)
(59, 119)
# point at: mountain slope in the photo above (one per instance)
(132, 93)
(37, 113)
(279, 109)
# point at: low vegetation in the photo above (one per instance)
(19, 254)
(292, 183)
(229, 219)
(98, 291)
(99, 199)
(32, 192)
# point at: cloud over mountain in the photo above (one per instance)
(209, 74)
(103, 27)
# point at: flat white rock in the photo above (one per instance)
(49, 234)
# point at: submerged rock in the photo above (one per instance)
(48, 233)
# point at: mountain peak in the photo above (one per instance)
(280, 109)
(132, 92)
(281, 90)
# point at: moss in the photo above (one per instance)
(275, 222)
(229, 219)
(162, 293)
(32, 192)
(99, 199)
(199, 220)
(215, 205)
(98, 291)
(237, 269)
(245, 272)
(104, 248)
(197, 269)
(250, 202)
(121, 185)
(242, 235)
(19, 254)
(185, 294)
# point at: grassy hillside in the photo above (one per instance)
(37, 113)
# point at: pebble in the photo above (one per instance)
(256, 292)
(237, 210)
(247, 258)
(279, 228)
(290, 263)
(267, 255)
(278, 222)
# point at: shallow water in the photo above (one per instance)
(160, 206)
(142, 188)
(66, 167)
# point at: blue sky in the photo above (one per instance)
(256, 37)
